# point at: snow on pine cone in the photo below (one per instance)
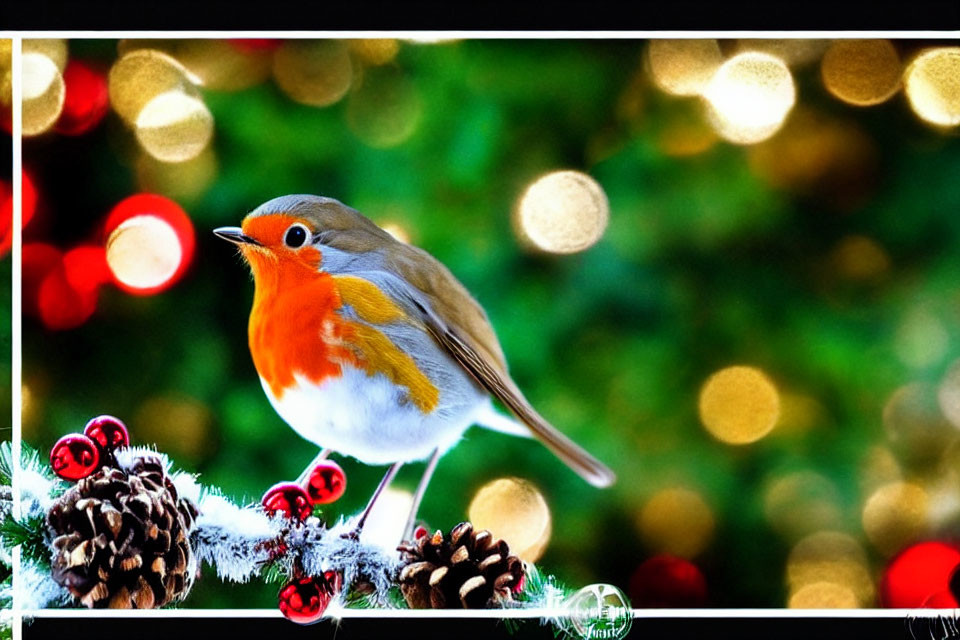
(122, 538)
(469, 569)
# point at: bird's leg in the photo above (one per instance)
(418, 496)
(354, 534)
(323, 455)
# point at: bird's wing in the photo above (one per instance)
(459, 325)
(449, 300)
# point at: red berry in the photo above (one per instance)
(74, 456)
(107, 431)
(289, 498)
(304, 600)
(326, 483)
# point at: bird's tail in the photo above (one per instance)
(534, 425)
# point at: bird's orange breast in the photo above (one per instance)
(296, 329)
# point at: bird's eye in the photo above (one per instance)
(296, 236)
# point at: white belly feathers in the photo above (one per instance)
(371, 418)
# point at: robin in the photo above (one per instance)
(370, 347)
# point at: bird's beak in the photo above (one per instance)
(235, 235)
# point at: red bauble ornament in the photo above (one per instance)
(85, 101)
(419, 532)
(108, 432)
(326, 483)
(667, 581)
(288, 498)
(74, 456)
(305, 599)
(918, 574)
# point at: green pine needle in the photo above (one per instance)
(6, 463)
(357, 600)
(29, 535)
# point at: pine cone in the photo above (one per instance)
(470, 569)
(122, 539)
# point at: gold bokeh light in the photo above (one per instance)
(514, 510)
(6, 72)
(144, 252)
(140, 76)
(211, 63)
(676, 521)
(832, 557)
(915, 428)
(375, 51)
(174, 126)
(895, 515)
(683, 67)
(879, 467)
(54, 48)
(795, 52)
(932, 85)
(749, 97)
(313, 72)
(563, 212)
(823, 595)
(739, 405)
(861, 72)
(43, 93)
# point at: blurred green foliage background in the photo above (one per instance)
(706, 262)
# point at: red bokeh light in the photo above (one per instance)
(37, 261)
(919, 576)
(940, 600)
(666, 581)
(29, 206)
(148, 204)
(60, 305)
(86, 99)
(251, 45)
(86, 267)
(60, 289)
